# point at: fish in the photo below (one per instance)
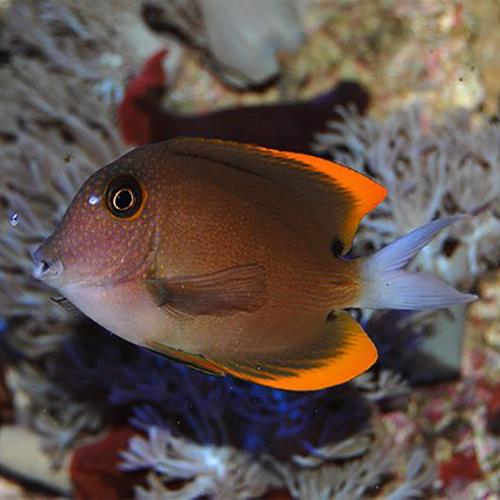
(232, 258)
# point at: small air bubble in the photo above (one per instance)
(14, 219)
(259, 367)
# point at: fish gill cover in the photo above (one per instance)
(192, 434)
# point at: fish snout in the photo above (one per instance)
(46, 268)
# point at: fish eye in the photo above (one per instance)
(124, 196)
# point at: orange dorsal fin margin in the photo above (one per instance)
(367, 193)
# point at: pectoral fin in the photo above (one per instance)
(343, 352)
(221, 293)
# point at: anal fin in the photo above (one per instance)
(343, 352)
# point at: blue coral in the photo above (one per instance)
(126, 381)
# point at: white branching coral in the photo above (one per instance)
(93, 41)
(49, 409)
(388, 385)
(220, 472)
(54, 140)
(420, 475)
(179, 468)
(352, 447)
(57, 128)
(67, 67)
(357, 477)
(430, 169)
(326, 480)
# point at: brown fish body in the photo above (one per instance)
(207, 218)
(223, 221)
(222, 259)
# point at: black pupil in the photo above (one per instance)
(123, 199)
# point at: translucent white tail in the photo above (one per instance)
(387, 286)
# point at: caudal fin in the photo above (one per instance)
(387, 286)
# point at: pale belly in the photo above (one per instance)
(129, 311)
(126, 310)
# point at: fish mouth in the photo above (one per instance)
(46, 269)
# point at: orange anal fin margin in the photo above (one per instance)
(196, 361)
(343, 353)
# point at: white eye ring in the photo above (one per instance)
(116, 199)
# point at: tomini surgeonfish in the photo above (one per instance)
(229, 257)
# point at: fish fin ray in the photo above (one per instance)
(343, 352)
(220, 293)
(69, 307)
(195, 361)
(342, 196)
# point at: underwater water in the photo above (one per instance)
(94, 403)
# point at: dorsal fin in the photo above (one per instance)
(340, 196)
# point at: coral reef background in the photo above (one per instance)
(99, 417)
